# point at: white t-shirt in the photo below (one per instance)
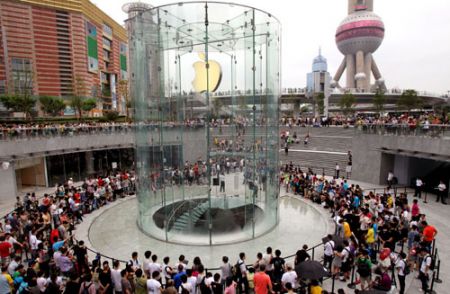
(153, 286)
(41, 283)
(154, 267)
(400, 265)
(186, 286)
(146, 265)
(117, 279)
(442, 187)
(267, 259)
(328, 248)
(193, 281)
(290, 277)
(426, 262)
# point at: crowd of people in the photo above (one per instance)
(377, 234)
(382, 229)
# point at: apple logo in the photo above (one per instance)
(214, 74)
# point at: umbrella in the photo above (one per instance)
(338, 241)
(373, 291)
(311, 270)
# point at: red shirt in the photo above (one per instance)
(262, 283)
(428, 233)
(4, 249)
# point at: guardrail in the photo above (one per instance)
(433, 131)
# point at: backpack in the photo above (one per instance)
(184, 290)
(432, 263)
(236, 269)
(203, 288)
(351, 257)
(363, 268)
(407, 269)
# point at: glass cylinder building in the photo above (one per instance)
(205, 79)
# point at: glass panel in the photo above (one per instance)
(205, 78)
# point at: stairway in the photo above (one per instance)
(190, 217)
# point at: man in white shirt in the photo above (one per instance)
(116, 277)
(418, 190)
(338, 169)
(328, 252)
(191, 280)
(289, 276)
(154, 266)
(424, 272)
(153, 286)
(400, 265)
(146, 264)
(185, 285)
(442, 188)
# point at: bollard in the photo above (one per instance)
(438, 280)
(332, 283)
(312, 254)
(352, 281)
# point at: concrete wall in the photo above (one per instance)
(371, 164)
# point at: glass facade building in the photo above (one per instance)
(205, 79)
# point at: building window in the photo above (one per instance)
(22, 75)
(2, 87)
(107, 30)
(106, 55)
(123, 49)
(91, 30)
(107, 43)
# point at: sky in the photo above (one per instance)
(415, 53)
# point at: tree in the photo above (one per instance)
(20, 89)
(89, 104)
(379, 99)
(51, 105)
(347, 103)
(19, 103)
(319, 100)
(79, 92)
(216, 106)
(112, 115)
(304, 109)
(124, 91)
(409, 100)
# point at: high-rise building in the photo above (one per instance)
(358, 37)
(318, 82)
(61, 48)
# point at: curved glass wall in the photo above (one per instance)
(206, 83)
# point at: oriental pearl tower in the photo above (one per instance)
(358, 36)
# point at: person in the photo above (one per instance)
(428, 234)
(401, 266)
(153, 286)
(230, 286)
(289, 277)
(442, 188)
(105, 280)
(116, 277)
(88, 285)
(134, 261)
(146, 263)
(126, 284)
(348, 169)
(364, 269)
(390, 179)
(263, 284)
(222, 182)
(338, 169)
(170, 288)
(424, 270)
(415, 210)
(225, 269)
(383, 282)
(418, 188)
(302, 255)
(315, 287)
(328, 252)
(216, 285)
(242, 274)
(185, 286)
(140, 282)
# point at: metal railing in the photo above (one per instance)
(432, 131)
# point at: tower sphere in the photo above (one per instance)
(360, 31)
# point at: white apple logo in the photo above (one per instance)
(200, 82)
